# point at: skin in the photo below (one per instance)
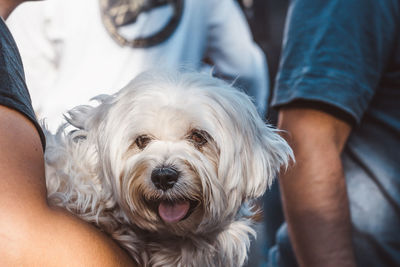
(7, 6)
(314, 192)
(31, 232)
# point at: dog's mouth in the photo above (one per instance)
(175, 211)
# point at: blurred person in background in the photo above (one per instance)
(338, 94)
(74, 50)
(266, 19)
(31, 232)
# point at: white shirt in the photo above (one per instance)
(69, 57)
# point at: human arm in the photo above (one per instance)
(314, 190)
(335, 53)
(31, 232)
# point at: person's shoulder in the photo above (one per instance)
(11, 70)
(7, 43)
(13, 91)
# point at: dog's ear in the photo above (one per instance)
(252, 152)
(78, 116)
(265, 155)
(82, 116)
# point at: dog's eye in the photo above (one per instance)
(197, 137)
(142, 141)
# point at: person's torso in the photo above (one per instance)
(90, 62)
(376, 141)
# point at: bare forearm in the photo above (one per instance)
(315, 198)
(316, 208)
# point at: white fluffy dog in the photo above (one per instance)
(166, 167)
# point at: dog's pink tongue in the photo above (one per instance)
(173, 212)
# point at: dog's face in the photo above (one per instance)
(181, 152)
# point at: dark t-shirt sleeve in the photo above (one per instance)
(335, 53)
(13, 90)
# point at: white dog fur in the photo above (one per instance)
(207, 131)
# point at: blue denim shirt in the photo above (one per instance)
(345, 55)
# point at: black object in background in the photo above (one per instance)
(267, 20)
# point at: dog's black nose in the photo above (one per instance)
(164, 178)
